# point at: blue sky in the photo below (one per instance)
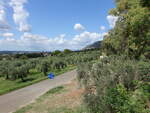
(48, 25)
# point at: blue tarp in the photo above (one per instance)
(51, 76)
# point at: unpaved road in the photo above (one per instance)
(12, 101)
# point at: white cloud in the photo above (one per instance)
(20, 15)
(102, 28)
(112, 20)
(79, 27)
(104, 34)
(7, 34)
(9, 44)
(3, 22)
(2, 12)
(86, 38)
(30, 42)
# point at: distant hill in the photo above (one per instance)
(18, 52)
(95, 45)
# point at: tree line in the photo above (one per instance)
(20, 68)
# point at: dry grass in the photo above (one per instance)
(68, 98)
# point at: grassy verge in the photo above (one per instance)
(56, 90)
(56, 110)
(67, 110)
(62, 99)
(34, 77)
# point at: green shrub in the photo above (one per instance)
(115, 85)
(122, 101)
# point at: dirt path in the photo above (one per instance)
(12, 101)
(67, 99)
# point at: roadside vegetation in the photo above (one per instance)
(18, 73)
(116, 85)
(120, 81)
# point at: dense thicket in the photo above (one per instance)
(116, 85)
(131, 35)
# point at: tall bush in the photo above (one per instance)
(112, 83)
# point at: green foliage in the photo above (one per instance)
(23, 72)
(23, 57)
(20, 68)
(116, 85)
(67, 51)
(145, 3)
(55, 53)
(131, 35)
(123, 85)
(44, 67)
(122, 101)
(144, 70)
(27, 55)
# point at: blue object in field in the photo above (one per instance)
(51, 76)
